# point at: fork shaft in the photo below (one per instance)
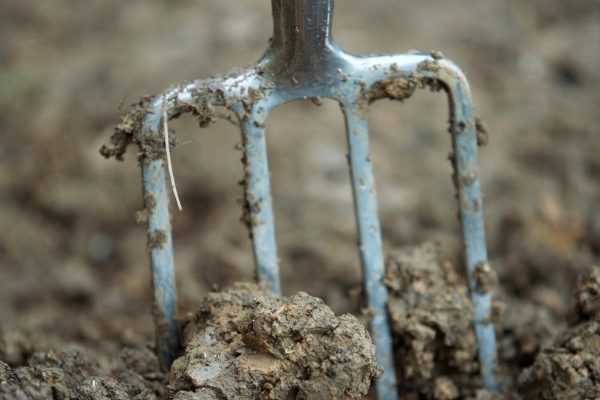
(258, 207)
(370, 245)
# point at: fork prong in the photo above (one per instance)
(160, 247)
(370, 244)
(258, 206)
(466, 170)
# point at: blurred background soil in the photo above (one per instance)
(73, 263)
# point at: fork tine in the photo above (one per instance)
(156, 202)
(466, 170)
(370, 244)
(258, 207)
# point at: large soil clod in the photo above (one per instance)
(245, 343)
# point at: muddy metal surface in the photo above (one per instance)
(74, 280)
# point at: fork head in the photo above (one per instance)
(303, 62)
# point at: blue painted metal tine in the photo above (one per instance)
(258, 205)
(160, 243)
(370, 244)
(465, 162)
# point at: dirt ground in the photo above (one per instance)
(74, 280)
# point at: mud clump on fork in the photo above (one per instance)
(207, 103)
(245, 343)
(397, 89)
(127, 130)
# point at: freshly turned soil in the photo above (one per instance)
(75, 296)
(570, 367)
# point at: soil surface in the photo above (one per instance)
(75, 315)
(570, 367)
(75, 374)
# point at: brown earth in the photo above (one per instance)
(74, 281)
(247, 344)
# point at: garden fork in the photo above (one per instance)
(303, 62)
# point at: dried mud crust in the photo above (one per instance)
(570, 369)
(432, 322)
(72, 375)
(247, 344)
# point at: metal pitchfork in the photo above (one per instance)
(303, 62)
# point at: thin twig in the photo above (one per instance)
(169, 164)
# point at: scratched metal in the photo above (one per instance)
(303, 62)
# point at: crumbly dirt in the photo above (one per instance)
(247, 344)
(432, 322)
(72, 374)
(570, 367)
(73, 263)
